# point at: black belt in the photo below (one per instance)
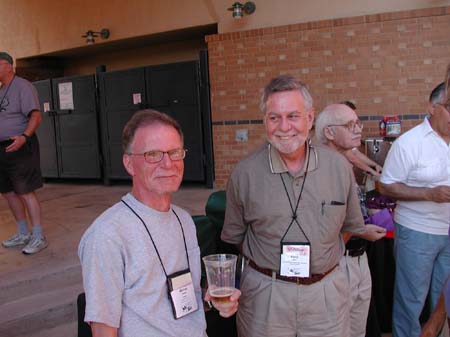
(299, 280)
(354, 252)
(355, 247)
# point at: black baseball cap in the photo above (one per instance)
(5, 56)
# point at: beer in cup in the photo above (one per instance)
(221, 273)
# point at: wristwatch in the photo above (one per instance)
(27, 138)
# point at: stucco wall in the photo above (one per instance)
(37, 27)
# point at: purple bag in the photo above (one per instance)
(383, 218)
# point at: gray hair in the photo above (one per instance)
(286, 83)
(438, 94)
(144, 118)
(330, 115)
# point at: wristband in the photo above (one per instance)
(27, 138)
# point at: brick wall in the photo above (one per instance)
(386, 64)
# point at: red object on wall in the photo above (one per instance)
(383, 127)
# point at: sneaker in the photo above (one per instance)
(17, 239)
(35, 245)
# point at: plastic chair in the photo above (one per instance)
(84, 330)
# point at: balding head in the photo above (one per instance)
(338, 127)
(332, 114)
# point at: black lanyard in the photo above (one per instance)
(153, 242)
(294, 211)
(6, 92)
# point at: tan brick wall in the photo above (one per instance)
(385, 63)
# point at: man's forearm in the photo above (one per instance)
(401, 191)
(371, 233)
(33, 122)
(352, 157)
(103, 330)
(364, 158)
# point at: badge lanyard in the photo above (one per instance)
(180, 286)
(294, 211)
(153, 242)
(295, 256)
(6, 92)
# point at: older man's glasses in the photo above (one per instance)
(351, 126)
(156, 156)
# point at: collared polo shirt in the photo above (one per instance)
(258, 211)
(420, 158)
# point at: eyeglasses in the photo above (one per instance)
(155, 156)
(351, 125)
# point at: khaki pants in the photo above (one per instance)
(358, 274)
(272, 308)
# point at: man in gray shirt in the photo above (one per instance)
(20, 173)
(137, 247)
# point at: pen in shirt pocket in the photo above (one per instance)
(332, 203)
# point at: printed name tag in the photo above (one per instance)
(182, 293)
(295, 259)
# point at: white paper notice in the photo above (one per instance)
(65, 92)
(46, 106)
(137, 98)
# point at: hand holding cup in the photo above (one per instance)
(221, 274)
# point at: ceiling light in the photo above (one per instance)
(91, 35)
(239, 9)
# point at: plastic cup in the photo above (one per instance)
(221, 274)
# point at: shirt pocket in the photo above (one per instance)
(323, 219)
(429, 171)
(331, 219)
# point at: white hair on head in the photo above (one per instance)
(330, 115)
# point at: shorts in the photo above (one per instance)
(20, 171)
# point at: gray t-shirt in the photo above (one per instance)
(123, 279)
(21, 98)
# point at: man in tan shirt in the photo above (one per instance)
(286, 206)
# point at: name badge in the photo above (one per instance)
(181, 293)
(295, 259)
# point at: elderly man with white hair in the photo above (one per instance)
(339, 128)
